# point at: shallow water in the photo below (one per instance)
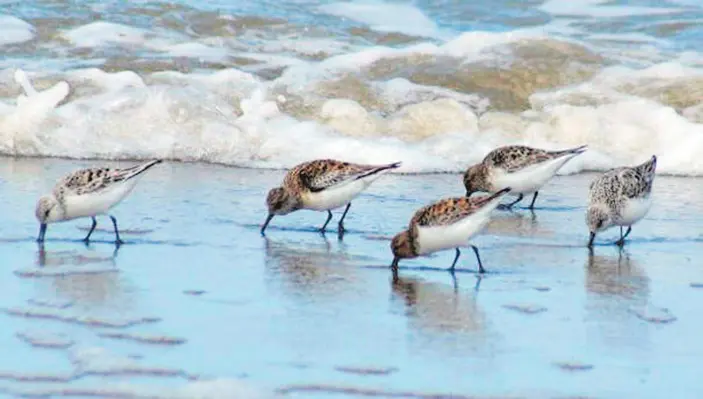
(197, 294)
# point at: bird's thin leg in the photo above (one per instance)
(42, 232)
(534, 198)
(510, 205)
(341, 221)
(456, 258)
(92, 228)
(478, 258)
(621, 241)
(627, 233)
(324, 226)
(118, 241)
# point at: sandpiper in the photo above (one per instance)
(524, 169)
(620, 197)
(88, 193)
(322, 185)
(446, 224)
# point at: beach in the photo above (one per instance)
(198, 302)
(231, 95)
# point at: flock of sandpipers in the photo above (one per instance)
(619, 197)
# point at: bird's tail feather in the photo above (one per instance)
(136, 170)
(379, 169)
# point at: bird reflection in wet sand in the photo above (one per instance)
(309, 267)
(71, 257)
(81, 276)
(616, 276)
(437, 308)
(616, 286)
(518, 224)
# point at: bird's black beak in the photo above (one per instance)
(394, 265)
(42, 232)
(266, 223)
(590, 240)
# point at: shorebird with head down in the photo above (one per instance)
(446, 224)
(524, 169)
(322, 185)
(88, 193)
(620, 197)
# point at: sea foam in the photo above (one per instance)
(338, 108)
(14, 30)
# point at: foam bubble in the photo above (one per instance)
(14, 30)
(105, 34)
(197, 50)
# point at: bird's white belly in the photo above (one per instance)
(334, 197)
(529, 179)
(633, 211)
(78, 206)
(438, 238)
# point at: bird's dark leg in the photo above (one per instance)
(92, 228)
(621, 241)
(118, 241)
(534, 198)
(42, 232)
(341, 221)
(394, 265)
(456, 258)
(324, 226)
(510, 205)
(478, 258)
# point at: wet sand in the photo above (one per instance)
(198, 302)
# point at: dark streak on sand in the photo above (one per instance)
(366, 370)
(527, 309)
(573, 366)
(654, 315)
(64, 271)
(84, 320)
(36, 377)
(45, 340)
(332, 389)
(146, 339)
(50, 303)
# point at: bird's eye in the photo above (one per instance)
(46, 213)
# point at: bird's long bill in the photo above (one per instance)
(266, 223)
(590, 240)
(42, 232)
(394, 265)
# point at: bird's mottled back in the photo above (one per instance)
(318, 175)
(451, 210)
(628, 182)
(515, 157)
(85, 181)
(91, 180)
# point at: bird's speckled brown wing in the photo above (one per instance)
(321, 174)
(448, 211)
(515, 157)
(91, 180)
